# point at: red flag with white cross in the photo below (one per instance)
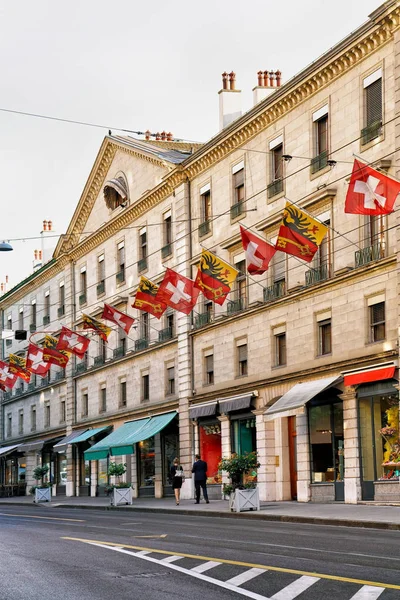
(35, 362)
(258, 252)
(116, 316)
(6, 377)
(370, 192)
(178, 292)
(73, 342)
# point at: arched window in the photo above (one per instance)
(116, 192)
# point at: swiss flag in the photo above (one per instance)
(35, 362)
(73, 342)
(6, 377)
(370, 192)
(119, 318)
(178, 292)
(258, 252)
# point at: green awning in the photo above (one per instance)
(88, 434)
(122, 441)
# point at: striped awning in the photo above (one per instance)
(8, 449)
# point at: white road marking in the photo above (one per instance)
(245, 576)
(295, 588)
(170, 559)
(206, 566)
(142, 553)
(368, 592)
(223, 584)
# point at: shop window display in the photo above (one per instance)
(147, 463)
(391, 442)
(244, 441)
(102, 474)
(326, 442)
(210, 450)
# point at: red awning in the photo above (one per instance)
(369, 376)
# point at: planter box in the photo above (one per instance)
(42, 495)
(387, 491)
(121, 496)
(244, 500)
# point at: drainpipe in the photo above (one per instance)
(191, 346)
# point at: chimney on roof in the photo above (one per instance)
(267, 82)
(229, 100)
(147, 135)
(170, 137)
(37, 260)
(49, 242)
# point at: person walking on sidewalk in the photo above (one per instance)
(200, 478)
(177, 477)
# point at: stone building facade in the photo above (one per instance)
(299, 364)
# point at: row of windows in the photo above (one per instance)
(376, 333)
(33, 421)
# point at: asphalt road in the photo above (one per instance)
(51, 554)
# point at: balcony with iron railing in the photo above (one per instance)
(119, 352)
(82, 298)
(80, 367)
(101, 288)
(237, 209)
(315, 275)
(275, 291)
(371, 132)
(120, 276)
(166, 250)
(141, 344)
(59, 375)
(275, 188)
(98, 360)
(142, 264)
(234, 306)
(369, 254)
(204, 228)
(201, 320)
(7, 395)
(31, 387)
(165, 334)
(46, 319)
(319, 162)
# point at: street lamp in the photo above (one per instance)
(5, 247)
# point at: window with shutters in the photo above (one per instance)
(209, 369)
(33, 316)
(21, 422)
(145, 325)
(205, 210)
(145, 387)
(279, 343)
(21, 318)
(320, 126)
(85, 405)
(9, 425)
(142, 262)
(61, 300)
(33, 417)
(63, 413)
(242, 360)
(373, 107)
(374, 234)
(170, 380)
(120, 262)
(279, 267)
(324, 337)
(122, 394)
(377, 322)
(103, 399)
(166, 249)
(240, 292)
(47, 415)
(238, 190)
(101, 275)
(83, 282)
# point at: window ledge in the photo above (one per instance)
(372, 143)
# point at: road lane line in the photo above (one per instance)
(389, 586)
(200, 576)
(367, 592)
(143, 553)
(295, 588)
(205, 566)
(245, 576)
(37, 517)
(170, 559)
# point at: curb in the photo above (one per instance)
(230, 515)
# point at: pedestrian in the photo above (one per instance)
(177, 477)
(200, 478)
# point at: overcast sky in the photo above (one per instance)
(136, 65)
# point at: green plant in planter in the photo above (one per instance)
(116, 470)
(39, 473)
(237, 466)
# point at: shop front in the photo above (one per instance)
(42, 452)
(12, 472)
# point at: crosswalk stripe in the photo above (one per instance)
(245, 576)
(368, 592)
(295, 588)
(205, 566)
(142, 553)
(170, 559)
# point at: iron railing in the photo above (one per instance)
(315, 275)
(369, 254)
(201, 320)
(234, 306)
(319, 162)
(141, 344)
(204, 228)
(101, 288)
(46, 319)
(142, 264)
(275, 291)
(82, 299)
(237, 209)
(119, 352)
(165, 334)
(166, 250)
(371, 132)
(120, 276)
(275, 188)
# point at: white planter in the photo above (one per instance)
(244, 500)
(42, 495)
(121, 496)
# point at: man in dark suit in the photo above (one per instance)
(200, 478)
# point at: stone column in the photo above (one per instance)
(71, 471)
(266, 473)
(226, 444)
(303, 459)
(93, 478)
(352, 476)
(158, 481)
(134, 474)
(282, 451)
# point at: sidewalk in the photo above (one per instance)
(360, 515)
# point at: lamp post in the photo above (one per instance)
(5, 247)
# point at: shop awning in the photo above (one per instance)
(240, 402)
(37, 445)
(63, 444)
(8, 449)
(299, 395)
(122, 441)
(203, 410)
(83, 437)
(369, 374)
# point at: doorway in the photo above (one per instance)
(292, 456)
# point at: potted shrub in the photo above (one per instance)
(242, 496)
(119, 492)
(42, 491)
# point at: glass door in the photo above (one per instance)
(146, 467)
